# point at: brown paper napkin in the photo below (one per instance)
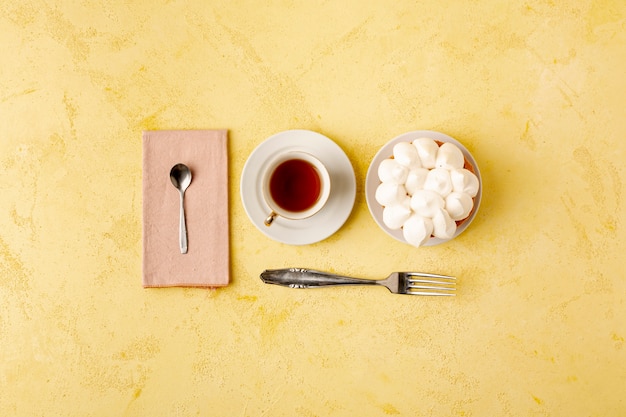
(206, 208)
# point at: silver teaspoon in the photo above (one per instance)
(180, 175)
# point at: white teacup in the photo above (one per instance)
(296, 185)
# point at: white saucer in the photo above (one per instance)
(372, 182)
(330, 218)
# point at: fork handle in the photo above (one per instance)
(308, 278)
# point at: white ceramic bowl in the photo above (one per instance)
(372, 181)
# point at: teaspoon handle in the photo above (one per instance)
(183, 226)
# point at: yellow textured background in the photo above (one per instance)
(535, 89)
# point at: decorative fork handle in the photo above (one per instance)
(308, 278)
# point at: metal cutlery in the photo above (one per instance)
(412, 283)
(180, 175)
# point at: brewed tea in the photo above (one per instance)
(295, 185)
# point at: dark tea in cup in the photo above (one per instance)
(296, 185)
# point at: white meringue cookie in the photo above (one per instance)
(438, 180)
(449, 156)
(394, 216)
(415, 180)
(443, 226)
(459, 205)
(417, 230)
(427, 150)
(425, 190)
(406, 154)
(388, 194)
(464, 181)
(426, 203)
(391, 171)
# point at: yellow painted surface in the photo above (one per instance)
(535, 89)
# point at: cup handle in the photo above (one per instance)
(270, 219)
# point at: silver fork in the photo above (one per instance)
(413, 283)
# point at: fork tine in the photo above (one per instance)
(428, 275)
(432, 287)
(436, 288)
(442, 294)
(418, 283)
(430, 281)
